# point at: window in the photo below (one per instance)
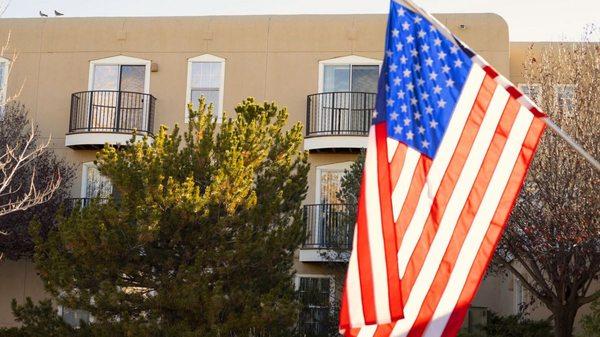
(74, 317)
(565, 99)
(206, 77)
(349, 73)
(329, 182)
(533, 91)
(4, 69)
(519, 301)
(315, 294)
(476, 320)
(94, 184)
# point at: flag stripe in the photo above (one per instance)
(496, 227)
(363, 254)
(466, 217)
(451, 178)
(481, 223)
(374, 226)
(352, 312)
(387, 223)
(403, 183)
(438, 167)
(397, 162)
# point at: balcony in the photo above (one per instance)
(73, 204)
(107, 116)
(338, 121)
(329, 229)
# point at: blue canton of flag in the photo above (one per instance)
(421, 79)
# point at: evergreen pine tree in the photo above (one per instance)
(199, 240)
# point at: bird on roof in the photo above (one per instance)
(44, 15)
(57, 13)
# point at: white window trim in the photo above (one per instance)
(521, 87)
(346, 60)
(84, 177)
(4, 62)
(188, 91)
(121, 60)
(335, 166)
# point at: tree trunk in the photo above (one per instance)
(564, 318)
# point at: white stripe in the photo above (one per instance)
(481, 223)
(353, 291)
(392, 145)
(375, 233)
(367, 331)
(455, 206)
(411, 159)
(440, 163)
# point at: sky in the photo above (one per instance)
(528, 20)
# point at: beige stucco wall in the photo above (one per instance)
(267, 57)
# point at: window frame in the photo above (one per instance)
(319, 171)
(121, 60)
(350, 60)
(84, 178)
(536, 100)
(557, 89)
(6, 63)
(320, 276)
(205, 58)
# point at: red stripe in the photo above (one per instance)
(514, 92)
(363, 254)
(448, 182)
(488, 246)
(397, 162)
(490, 71)
(387, 223)
(466, 218)
(344, 314)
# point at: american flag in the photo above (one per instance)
(448, 151)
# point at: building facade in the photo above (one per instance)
(88, 81)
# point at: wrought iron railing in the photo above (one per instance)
(79, 203)
(339, 113)
(111, 111)
(329, 226)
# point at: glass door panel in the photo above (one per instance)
(104, 99)
(132, 105)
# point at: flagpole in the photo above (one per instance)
(560, 132)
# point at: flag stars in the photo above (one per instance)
(429, 110)
(429, 61)
(394, 116)
(389, 53)
(410, 135)
(425, 48)
(400, 93)
(398, 129)
(397, 80)
(421, 130)
(406, 121)
(395, 32)
(375, 113)
(414, 52)
(403, 59)
(437, 89)
(417, 67)
(433, 124)
(393, 67)
(433, 76)
(405, 25)
(425, 144)
(420, 81)
(399, 46)
(417, 116)
(387, 87)
(437, 42)
(390, 102)
(441, 103)
(422, 34)
(404, 108)
(410, 87)
(418, 19)
(450, 83)
(401, 12)
(413, 101)
(424, 96)
(445, 69)
(454, 49)
(406, 73)
(458, 63)
(441, 55)
(410, 39)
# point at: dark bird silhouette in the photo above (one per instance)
(43, 15)
(57, 13)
